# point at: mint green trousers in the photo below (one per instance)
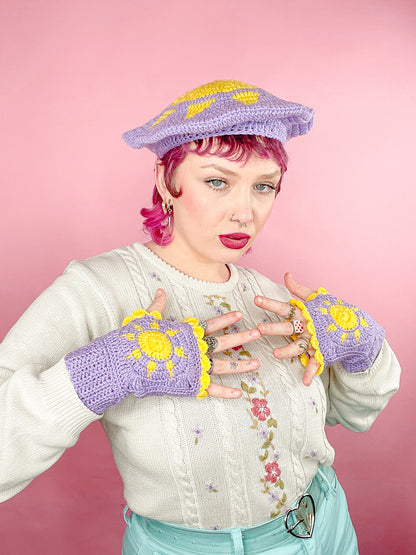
(333, 533)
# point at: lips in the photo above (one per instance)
(235, 240)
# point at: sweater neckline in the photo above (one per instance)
(179, 276)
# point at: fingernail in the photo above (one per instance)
(253, 363)
(254, 333)
(159, 293)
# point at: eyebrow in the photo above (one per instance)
(230, 172)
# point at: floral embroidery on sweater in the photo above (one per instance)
(209, 486)
(314, 405)
(155, 276)
(198, 433)
(218, 303)
(255, 393)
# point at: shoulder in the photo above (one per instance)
(113, 277)
(109, 262)
(263, 285)
(112, 269)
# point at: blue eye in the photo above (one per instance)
(265, 187)
(216, 183)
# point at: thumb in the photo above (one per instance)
(296, 288)
(159, 301)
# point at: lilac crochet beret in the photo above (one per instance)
(221, 108)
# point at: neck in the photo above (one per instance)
(191, 266)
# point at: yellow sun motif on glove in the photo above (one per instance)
(344, 318)
(155, 345)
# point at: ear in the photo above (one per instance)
(160, 180)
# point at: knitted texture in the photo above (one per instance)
(341, 332)
(172, 452)
(147, 356)
(221, 108)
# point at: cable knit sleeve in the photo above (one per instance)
(40, 412)
(355, 400)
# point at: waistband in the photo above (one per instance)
(254, 538)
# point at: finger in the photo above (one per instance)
(294, 349)
(221, 366)
(281, 328)
(220, 322)
(230, 340)
(296, 288)
(159, 301)
(278, 307)
(310, 371)
(223, 392)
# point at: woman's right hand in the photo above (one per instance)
(227, 341)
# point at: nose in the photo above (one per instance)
(242, 208)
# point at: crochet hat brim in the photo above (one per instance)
(243, 110)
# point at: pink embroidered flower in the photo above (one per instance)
(273, 472)
(260, 409)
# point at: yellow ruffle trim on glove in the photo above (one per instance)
(205, 361)
(311, 329)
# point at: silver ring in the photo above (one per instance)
(291, 313)
(212, 343)
(304, 343)
(203, 325)
(297, 327)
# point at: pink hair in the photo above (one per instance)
(238, 148)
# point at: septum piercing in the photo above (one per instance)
(237, 221)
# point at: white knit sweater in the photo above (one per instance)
(197, 462)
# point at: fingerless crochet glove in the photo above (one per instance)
(147, 356)
(340, 332)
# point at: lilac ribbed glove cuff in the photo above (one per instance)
(147, 356)
(340, 332)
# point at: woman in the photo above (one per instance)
(214, 399)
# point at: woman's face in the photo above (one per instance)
(223, 206)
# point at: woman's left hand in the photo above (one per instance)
(295, 321)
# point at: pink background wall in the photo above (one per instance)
(75, 75)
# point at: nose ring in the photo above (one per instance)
(232, 219)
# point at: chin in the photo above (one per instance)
(231, 257)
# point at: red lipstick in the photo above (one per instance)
(235, 240)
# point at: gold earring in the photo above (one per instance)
(167, 208)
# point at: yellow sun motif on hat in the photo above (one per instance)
(247, 95)
(344, 318)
